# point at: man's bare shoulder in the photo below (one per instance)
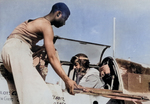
(41, 20)
(39, 25)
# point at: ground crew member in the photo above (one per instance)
(17, 56)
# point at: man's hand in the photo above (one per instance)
(84, 89)
(70, 85)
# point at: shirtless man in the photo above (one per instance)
(17, 56)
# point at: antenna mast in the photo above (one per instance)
(114, 20)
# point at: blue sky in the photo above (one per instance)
(90, 20)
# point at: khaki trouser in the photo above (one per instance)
(31, 88)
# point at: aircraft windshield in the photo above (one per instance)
(67, 48)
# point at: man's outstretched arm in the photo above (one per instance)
(48, 42)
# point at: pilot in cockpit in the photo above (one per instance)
(85, 76)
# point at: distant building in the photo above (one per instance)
(135, 76)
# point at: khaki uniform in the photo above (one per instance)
(17, 59)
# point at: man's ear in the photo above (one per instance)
(59, 13)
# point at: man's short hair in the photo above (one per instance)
(84, 62)
(61, 7)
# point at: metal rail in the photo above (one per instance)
(81, 42)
